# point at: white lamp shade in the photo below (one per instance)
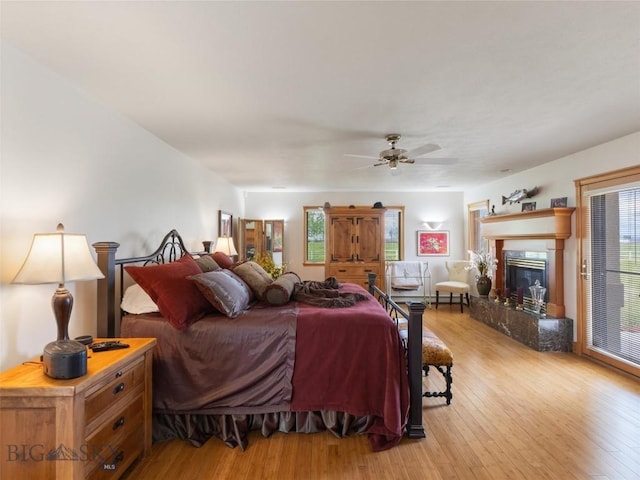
(225, 245)
(58, 258)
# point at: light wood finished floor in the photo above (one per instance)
(516, 414)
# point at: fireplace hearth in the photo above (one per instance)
(540, 333)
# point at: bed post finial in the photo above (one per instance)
(106, 288)
(371, 278)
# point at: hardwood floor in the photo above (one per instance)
(516, 414)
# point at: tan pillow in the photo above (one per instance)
(207, 263)
(253, 275)
(280, 291)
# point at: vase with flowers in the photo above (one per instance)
(266, 262)
(484, 263)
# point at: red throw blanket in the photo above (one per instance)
(352, 360)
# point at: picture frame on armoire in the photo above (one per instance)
(433, 243)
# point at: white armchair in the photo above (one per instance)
(457, 283)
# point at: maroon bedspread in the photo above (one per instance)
(352, 360)
(294, 358)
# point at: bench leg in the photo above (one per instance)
(461, 303)
(451, 298)
(437, 298)
(448, 378)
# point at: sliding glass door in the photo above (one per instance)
(609, 231)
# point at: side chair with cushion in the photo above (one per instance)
(457, 283)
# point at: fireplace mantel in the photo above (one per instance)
(551, 224)
(547, 223)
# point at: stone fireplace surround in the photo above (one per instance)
(541, 231)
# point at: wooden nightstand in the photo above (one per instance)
(93, 426)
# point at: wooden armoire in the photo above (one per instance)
(355, 244)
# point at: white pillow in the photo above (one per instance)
(137, 301)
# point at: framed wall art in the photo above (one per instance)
(225, 224)
(433, 243)
(528, 206)
(559, 202)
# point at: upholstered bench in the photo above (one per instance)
(434, 354)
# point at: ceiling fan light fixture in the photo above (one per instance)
(393, 164)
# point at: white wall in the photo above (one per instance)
(445, 207)
(66, 158)
(556, 179)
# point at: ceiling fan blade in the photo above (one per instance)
(423, 150)
(406, 160)
(436, 161)
(361, 156)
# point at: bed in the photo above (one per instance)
(289, 367)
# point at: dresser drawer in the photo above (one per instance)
(112, 432)
(356, 270)
(362, 281)
(116, 387)
(120, 457)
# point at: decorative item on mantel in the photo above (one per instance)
(518, 195)
(520, 298)
(485, 264)
(537, 294)
(507, 298)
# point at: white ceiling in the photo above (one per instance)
(273, 94)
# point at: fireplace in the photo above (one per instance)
(538, 235)
(521, 270)
(529, 247)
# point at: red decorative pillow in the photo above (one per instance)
(178, 298)
(222, 259)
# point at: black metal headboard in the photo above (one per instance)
(108, 315)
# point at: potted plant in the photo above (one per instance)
(265, 261)
(484, 263)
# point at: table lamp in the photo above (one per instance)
(60, 258)
(226, 246)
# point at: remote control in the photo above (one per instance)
(110, 345)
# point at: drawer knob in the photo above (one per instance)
(118, 388)
(118, 374)
(118, 423)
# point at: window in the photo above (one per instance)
(314, 227)
(476, 211)
(314, 235)
(393, 234)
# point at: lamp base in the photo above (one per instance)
(65, 359)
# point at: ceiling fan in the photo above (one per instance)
(394, 156)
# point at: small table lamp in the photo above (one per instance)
(59, 258)
(226, 246)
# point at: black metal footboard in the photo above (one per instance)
(415, 429)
